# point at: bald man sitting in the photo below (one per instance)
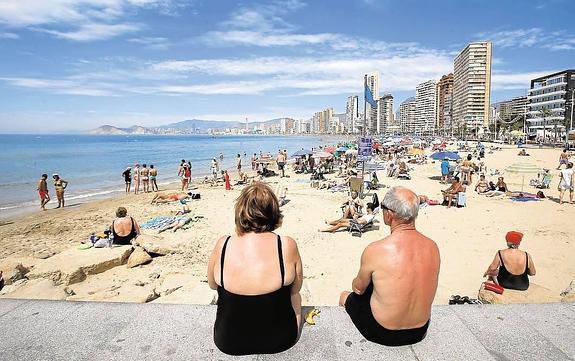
(397, 279)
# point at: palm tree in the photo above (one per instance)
(545, 113)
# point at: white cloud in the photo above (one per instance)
(80, 20)
(9, 36)
(527, 38)
(156, 43)
(94, 32)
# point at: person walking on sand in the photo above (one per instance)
(215, 167)
(145, 172)
(281, 161)
(391, 297)
(187, 175)
(136, 178)
(153, 176)
(254, 162)
(127, 174)
(567, 182)
(59, 185)
(43, 191)
(239, 164)
(563, 159)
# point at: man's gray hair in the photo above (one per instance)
(404, 208)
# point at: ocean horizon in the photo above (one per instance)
(93, 164)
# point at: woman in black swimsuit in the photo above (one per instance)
(124, 228)
(511, 259)
(258, 276)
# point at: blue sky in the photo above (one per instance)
(78, 64)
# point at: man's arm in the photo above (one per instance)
(363, 278)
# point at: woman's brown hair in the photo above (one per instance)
(121, 212)
(257, 210)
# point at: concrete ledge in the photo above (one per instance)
(56, 330)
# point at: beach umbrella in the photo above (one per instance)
(351, 152)
(416, 151)
(523, 168)
(302, 152)
(322, 155)
(443, 155)
(342, 149)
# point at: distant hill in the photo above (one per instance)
(188, 126)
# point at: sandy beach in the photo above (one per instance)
(467, 238)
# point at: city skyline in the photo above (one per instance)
(75, 65)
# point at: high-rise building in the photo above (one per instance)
(407, 113)
(425, 97)
(320, 121)
(371, 80)
(553, 96)
(472, 86)
(444, 92)
(352, 113)
(384, 113)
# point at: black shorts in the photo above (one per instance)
(281, 166)
(359, 310)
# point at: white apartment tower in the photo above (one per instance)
(352, 113)
(372, 82)
(407, 112)
(472, 86)
(425, 100)
(384, 113)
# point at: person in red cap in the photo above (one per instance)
(511, 267)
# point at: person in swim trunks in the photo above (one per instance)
(145, 173)
(43, 191)
(153, 176)
(127, 174)
(392, 294)
(59, 185)
(563, 159)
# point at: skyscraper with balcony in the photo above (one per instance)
(444, 98)
(472, 86)
(371, 80)
(550, 103)
(425, 99)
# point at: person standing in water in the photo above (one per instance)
(43, 191)
(153, 176)
(128, 178)
(59, 185)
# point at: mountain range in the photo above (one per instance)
(189, 126)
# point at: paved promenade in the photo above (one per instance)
(57, 330)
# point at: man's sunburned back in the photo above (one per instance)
(406, 269)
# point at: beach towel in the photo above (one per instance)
(158, 222)
(524, 199)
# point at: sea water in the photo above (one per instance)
(93, 164)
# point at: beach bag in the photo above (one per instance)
(195, 196)
(493, 287)
(540, 194)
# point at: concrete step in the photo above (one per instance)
(58, 330)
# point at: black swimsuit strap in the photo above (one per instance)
(501, 258)
(526, 262)
(281, 258)
(223, 256)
